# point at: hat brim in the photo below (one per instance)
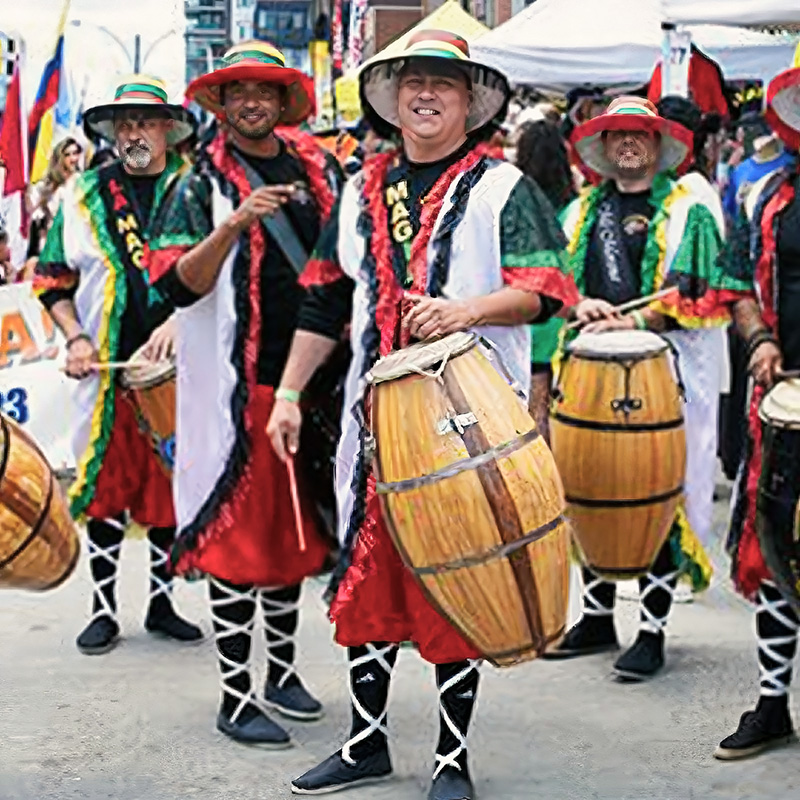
(783, 107)
(379, 88)
(99, 121)
(300, 100)
(676, 142)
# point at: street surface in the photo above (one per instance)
(138, 723)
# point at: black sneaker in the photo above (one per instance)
(163, 621)
(293, 701)
(643, 659)
(100, 636)
(768, 726)
(335, 774)
(589, 635)
(254, 728)
(451, 784)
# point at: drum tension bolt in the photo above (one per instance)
(626, 404)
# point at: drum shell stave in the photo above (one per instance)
(618, 438)
(39, 546)
(475, 514)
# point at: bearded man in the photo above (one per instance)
(228, 249)
(639, 231)
(432, 238)
(92, 278)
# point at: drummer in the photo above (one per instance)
(636, 232)
(500, 265)
(226, 250)
(92, 279)
(763, 256)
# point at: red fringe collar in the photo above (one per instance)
(390, 293)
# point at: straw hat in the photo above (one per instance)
(138, 92)
(379, 78)
(256, 61)
(632, 114)
(783, 104)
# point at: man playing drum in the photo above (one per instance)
(763, 257)
(431, 238)
(228, 250)
(92, 277)
(636, 232)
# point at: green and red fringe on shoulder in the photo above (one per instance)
(748, 567)
(223, 503)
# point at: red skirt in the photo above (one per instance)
(749, 568)
(260, 545)
(379, 601)
(132, 478)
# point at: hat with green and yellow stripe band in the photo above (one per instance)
(632, 114)
(142, 93)
(379, 78)
(254, 60)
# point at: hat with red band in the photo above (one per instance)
(632, 114)
(256, 61)
(783, 104)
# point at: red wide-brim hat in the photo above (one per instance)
(256, 61)
(783, 104)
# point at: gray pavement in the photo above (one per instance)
(137, 724)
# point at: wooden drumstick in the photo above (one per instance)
(631, 305)
(788, 375)
(298, 514)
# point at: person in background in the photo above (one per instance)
(45, 198)
(6, 269)
(541, 155)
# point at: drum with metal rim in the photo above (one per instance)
(472, 496)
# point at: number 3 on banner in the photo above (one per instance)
(15, 403)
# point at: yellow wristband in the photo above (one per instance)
(289, 395)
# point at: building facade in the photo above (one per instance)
(208, 29)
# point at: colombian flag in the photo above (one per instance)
(41, 120)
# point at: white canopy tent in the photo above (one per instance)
(560, 44)
(732, 12)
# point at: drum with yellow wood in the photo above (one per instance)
(472, 495)
(618, 438)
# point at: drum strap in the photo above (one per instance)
(777, 626)
(281, 609)
(277, 224)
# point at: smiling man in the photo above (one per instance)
(228, 249)
(432, 238)
(92, 278)
(639, 230)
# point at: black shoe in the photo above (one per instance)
(643, 659)
(254, 728)
(451, 784)
(589, 635)
(100, 636)
(293, 701)
(335, 774)
(163, 621)
(768, 726)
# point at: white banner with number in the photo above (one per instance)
(33, 390)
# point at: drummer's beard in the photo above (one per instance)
(137, 155)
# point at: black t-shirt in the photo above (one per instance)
(789, 282)
(635, 213)
(281, 294)
(139, 320)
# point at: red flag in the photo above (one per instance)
(12, 138)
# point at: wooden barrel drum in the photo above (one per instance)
(472, 496)
(38, 543)
(618, 438)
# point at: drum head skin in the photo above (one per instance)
(781, 406)
(423, 356)
(147, 373)
(618, 345)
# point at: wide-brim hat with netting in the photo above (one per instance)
(139, 92)
(256, 61)
(632, 114)
(379, 85)
(783, 104)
